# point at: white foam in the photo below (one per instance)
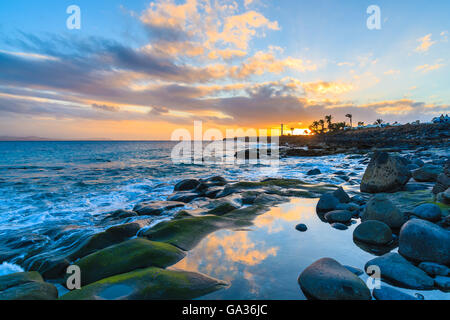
(8, 268)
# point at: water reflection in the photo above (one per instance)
(265, 261)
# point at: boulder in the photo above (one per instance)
(354, 270)
(342, 216)
(389, 293)
(428, 211)
(327, 279)
(188, 184)
(385, 173)
(434, 269)
(313, 172)
(443, 283)
(421, 240)
(328, 202)
(26, 286)
(183, 196)
(380, 208)
(301, 227)
(149, 284)
(125, 257)
(442, 183)
(156, 208)
(400, 272)
(373, 232)
(427, 173)
(223, 208)
(341, 195)
(339, 226)
(444, 197)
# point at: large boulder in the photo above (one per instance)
(380, 208)
(389, 293)
(26, 286)
(327, 279)
(188, 184)
(125, 257)
(443, 180)
(421, 240)
(400, 272)
(428, 211)
(373, 232)
(385, 173)
(148, 284)
(156, 208)
(327, 202)
(427, 173)
(434, 269)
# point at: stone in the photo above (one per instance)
(327, 279)
(339, 226)
(156, 208)
(188, 184)
(183, 196)
(427, 173)
(19, 278)
(428, 211)
(223, 208)
(434, 269)
(301, 227)
(125, 257)
(342, 216)
(328, 202)
(373, 232)
(380, 208)
(442, 183)
(26, 286)
(389, 293)
(149, 284)
(341, 195)
(313, 172)
(444, 197)
(384, 173)
(400, 272)
(354, 270)
(421, 240)
(443, 283)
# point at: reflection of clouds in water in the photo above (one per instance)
(224, 252)
(296, 210)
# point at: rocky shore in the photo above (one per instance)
(404, 202)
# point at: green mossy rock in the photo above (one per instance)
(26, 286)
(149, 284)
(127, 256)
(19, 278)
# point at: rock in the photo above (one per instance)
(125, 257)
(444, 197)
(443, 283)
(442, 183)
(149, 284)
(301, 227)
(105, 239)
(327, 279)
(328, 202)
(339, 226)
(354, 270)
(427, 173)
(156, 208)
(120, 214)
(348, 206)
(358, 200)
(341, 195)
(384, 173)
(382, 209)
(418, 162)
(411, 167)
(188, 184)
(388, 293)
(26, 286)
(313, 172)
(428, 211)
(223, 208)
(342, 216)
(373, 232)
(216, 181)
(31, 291)
(421, 240)
(400, 272)
(434, 269)
(182, 196)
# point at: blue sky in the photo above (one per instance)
(141, 69)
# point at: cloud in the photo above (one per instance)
(427, 68)
(392, 72)
(425, 43)
(444, 36)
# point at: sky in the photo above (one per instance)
(141, 69)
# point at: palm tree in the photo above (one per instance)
(292, 131)
(322, 124)
(328, 119)
(350, 116)
(314, 126)
(378, 121)
(361, 124)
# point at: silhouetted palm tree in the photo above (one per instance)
(328, 119)
(378, 121)
(322, 124)
(350, 116)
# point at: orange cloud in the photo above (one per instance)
(425, 43)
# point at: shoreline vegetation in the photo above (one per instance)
(403, 203)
